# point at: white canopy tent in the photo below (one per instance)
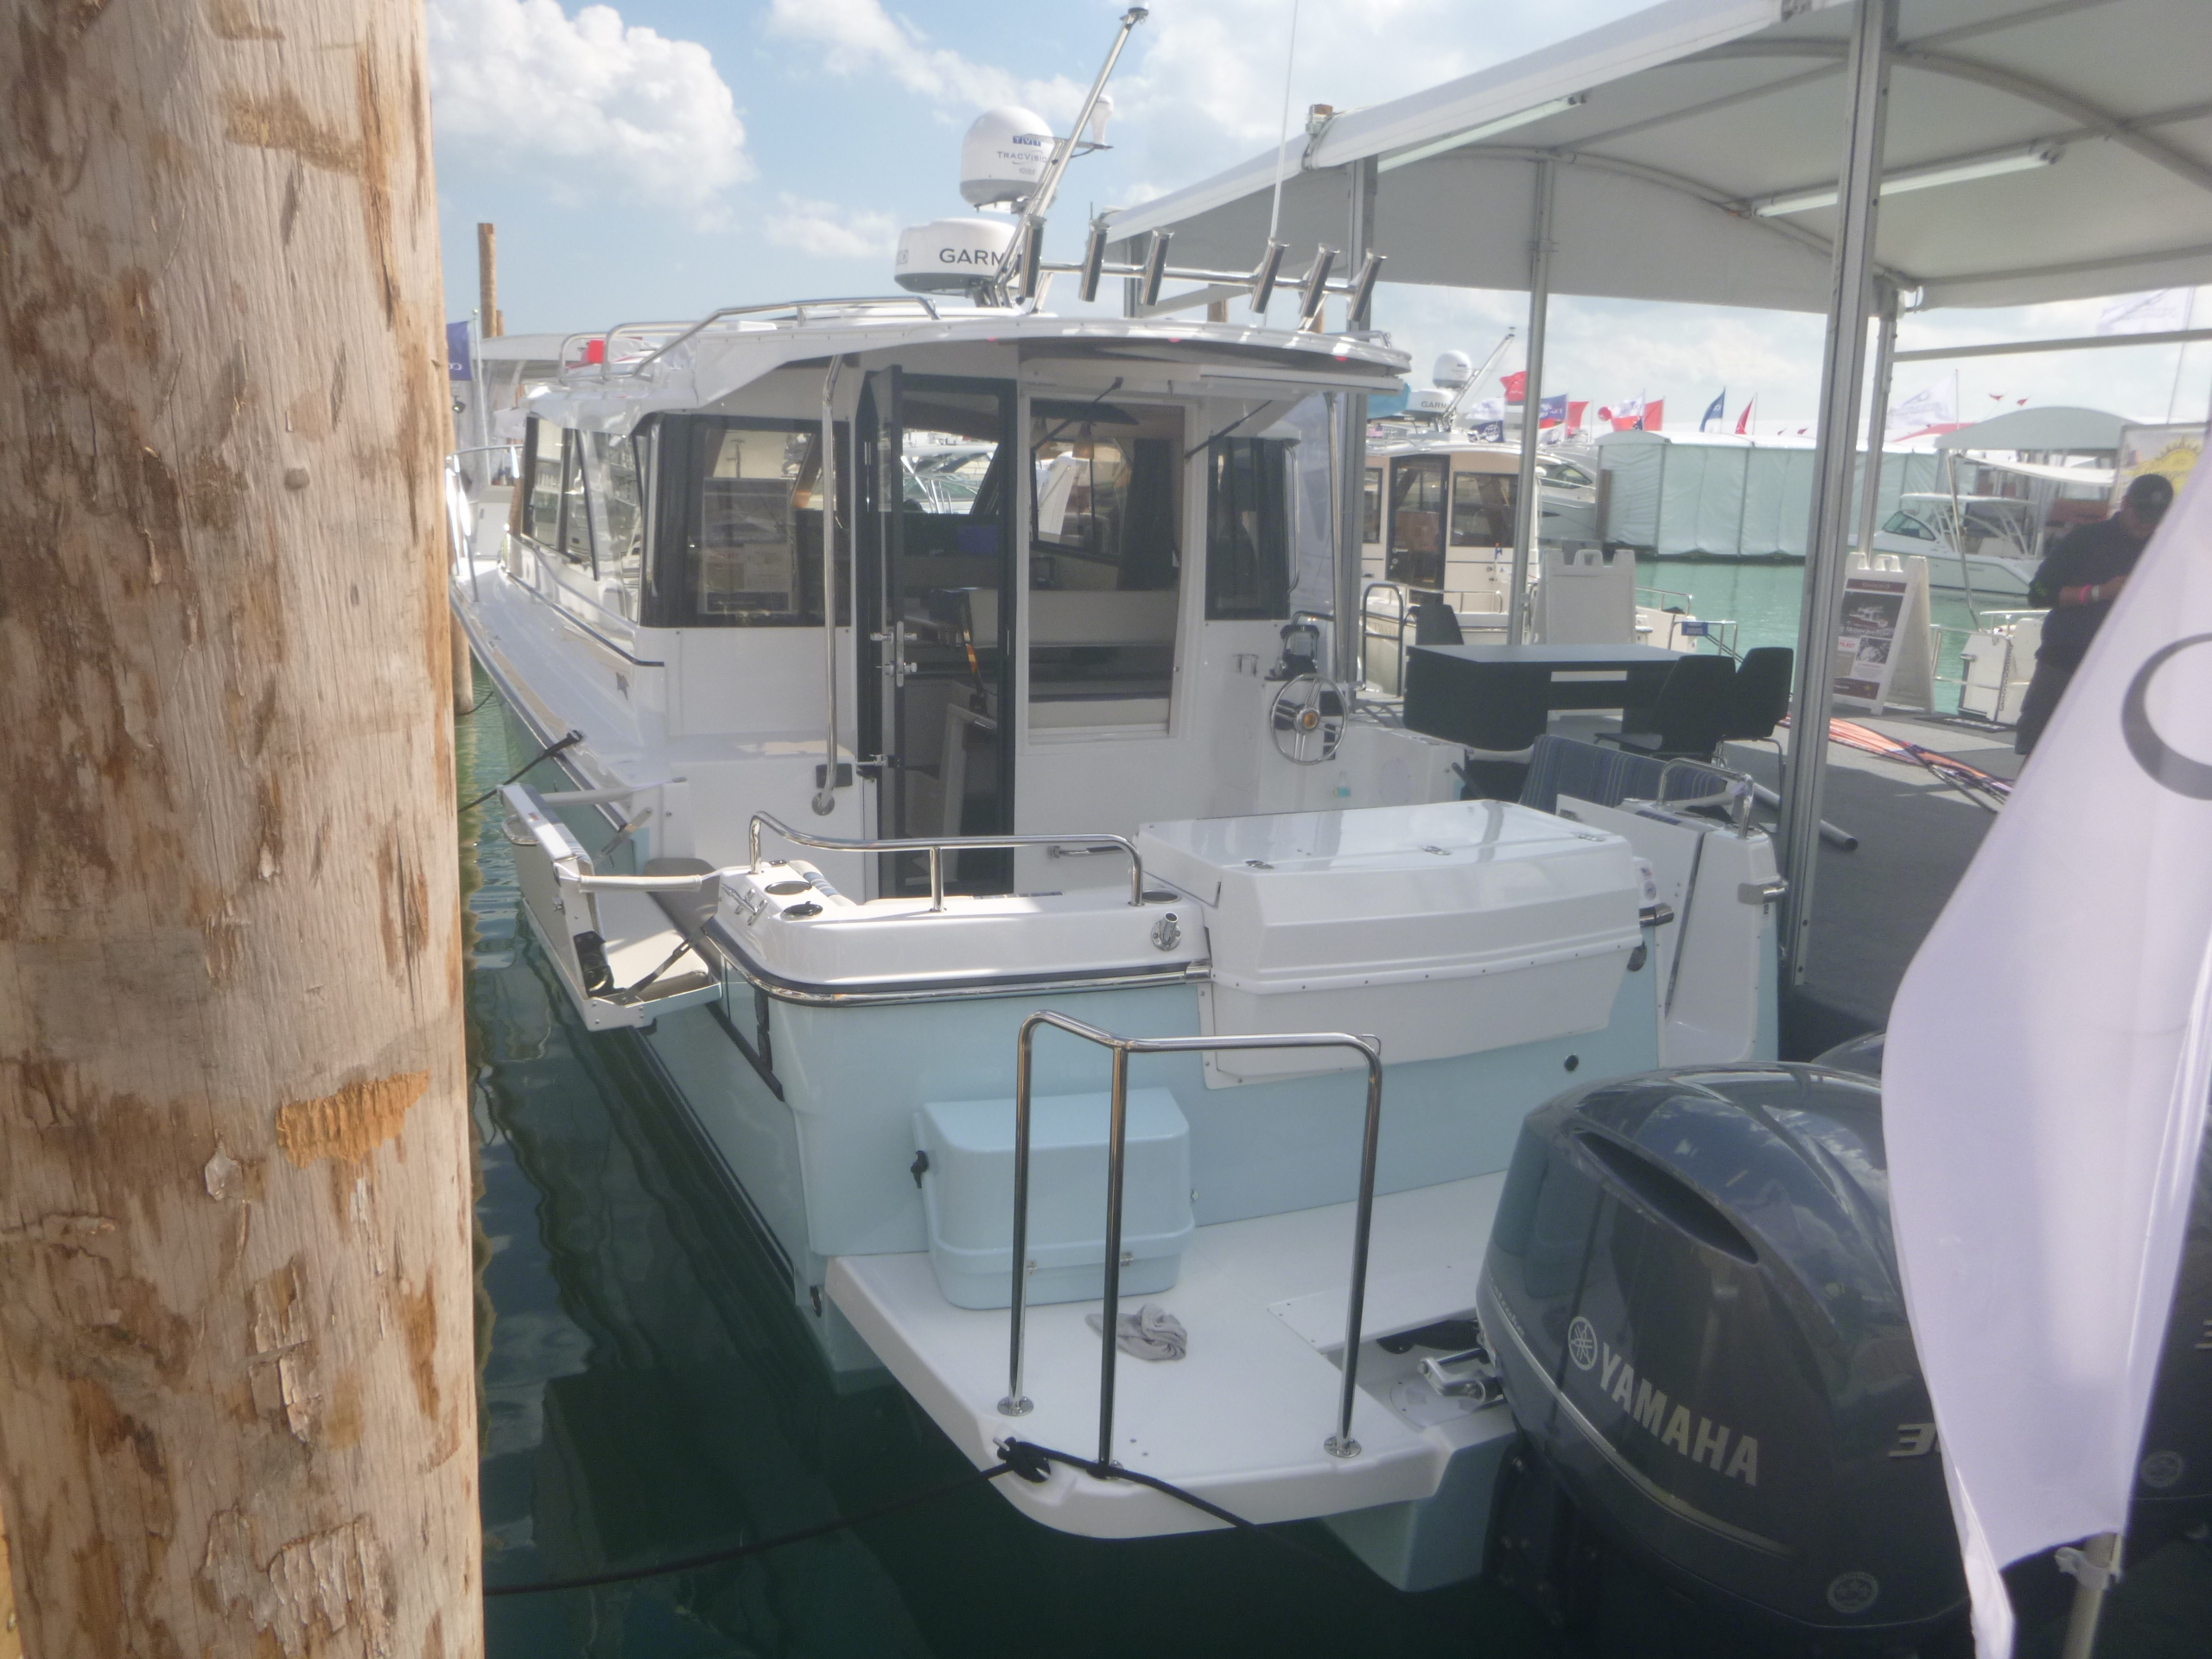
(1697, 122)
(2024, 150)
(2057, 430)
(1707, 495)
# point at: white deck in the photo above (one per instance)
(1240, 1420)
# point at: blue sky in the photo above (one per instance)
(660, 158)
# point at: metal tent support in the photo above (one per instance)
(1351, 447)
(1843, 371)
(1877, 420)
(1530, 520)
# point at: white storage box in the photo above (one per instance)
(968, 1196)
(1445, 928)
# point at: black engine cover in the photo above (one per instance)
(1692, 1296)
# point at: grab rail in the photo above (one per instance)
(937, 847)
(798, 308)
(1367, 615)
(1016, 1404)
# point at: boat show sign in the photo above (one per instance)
(1875, 606)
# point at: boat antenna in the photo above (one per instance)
(1451, 408)
(1282, 137)
(1028, 242)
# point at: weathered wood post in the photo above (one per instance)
(236, 1411)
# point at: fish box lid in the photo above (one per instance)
(1303, 901)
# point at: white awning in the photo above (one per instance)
(2037, 149)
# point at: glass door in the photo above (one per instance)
(938, 617)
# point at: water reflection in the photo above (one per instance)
(648, 1393)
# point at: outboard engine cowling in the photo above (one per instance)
(1692, 1296)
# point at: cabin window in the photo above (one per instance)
(541, 466)
(1371, 507)
(1416, 552)
(574, 544)
(1104, 563)
(1247, 529)
(1903, 524)
(1482, 509)
(739, 542)
(618, 517)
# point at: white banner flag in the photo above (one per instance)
(2045, 1085)
(2154, 313)
(1923, 409)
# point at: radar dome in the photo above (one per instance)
(1428, 400)
(950, 256)
(1003, 155)
(1454, 370)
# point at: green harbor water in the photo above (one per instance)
(1763, 600)
(648, 1394)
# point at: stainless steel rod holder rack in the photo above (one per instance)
(937, 847)
(1016, 1404)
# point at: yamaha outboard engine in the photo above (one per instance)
(1692, 1297)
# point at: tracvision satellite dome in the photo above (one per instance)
(1003, 157)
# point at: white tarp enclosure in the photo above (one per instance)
(1699, 495)
(2034, 151)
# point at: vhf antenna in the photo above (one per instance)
(1025, 249)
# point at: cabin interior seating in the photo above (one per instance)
(1691, 715)
(1761, 697)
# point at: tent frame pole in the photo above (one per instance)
(1526, 512)
(1351, 451)
(1842, 373)
(1877, 418)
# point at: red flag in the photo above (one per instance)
(1516, 385)
(1653, 412)
(1574, 414)
(1743, 420)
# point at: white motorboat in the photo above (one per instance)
(1983, 544)
(904, 780)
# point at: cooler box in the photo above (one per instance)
(968, 1196)
(1443, 929)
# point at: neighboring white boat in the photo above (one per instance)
(1046, 733)
(1985, 544)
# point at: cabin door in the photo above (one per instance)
(937, 622)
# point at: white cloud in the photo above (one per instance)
(859, 37)
(828, 231)
(585, 106)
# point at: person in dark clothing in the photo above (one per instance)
(2078, 583)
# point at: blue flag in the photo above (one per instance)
(1552, 411)
(1717, 411)
(457, 367)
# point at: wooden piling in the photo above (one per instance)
(487, 282)
(236, 1409)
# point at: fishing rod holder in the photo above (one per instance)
(1153, 270)
(1016, 1404)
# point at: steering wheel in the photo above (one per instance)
(1307, 720)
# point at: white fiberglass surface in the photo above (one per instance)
(1318, 840)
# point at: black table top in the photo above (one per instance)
(1562, 657)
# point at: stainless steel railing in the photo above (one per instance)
(1016, 1404)
(937, 846)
